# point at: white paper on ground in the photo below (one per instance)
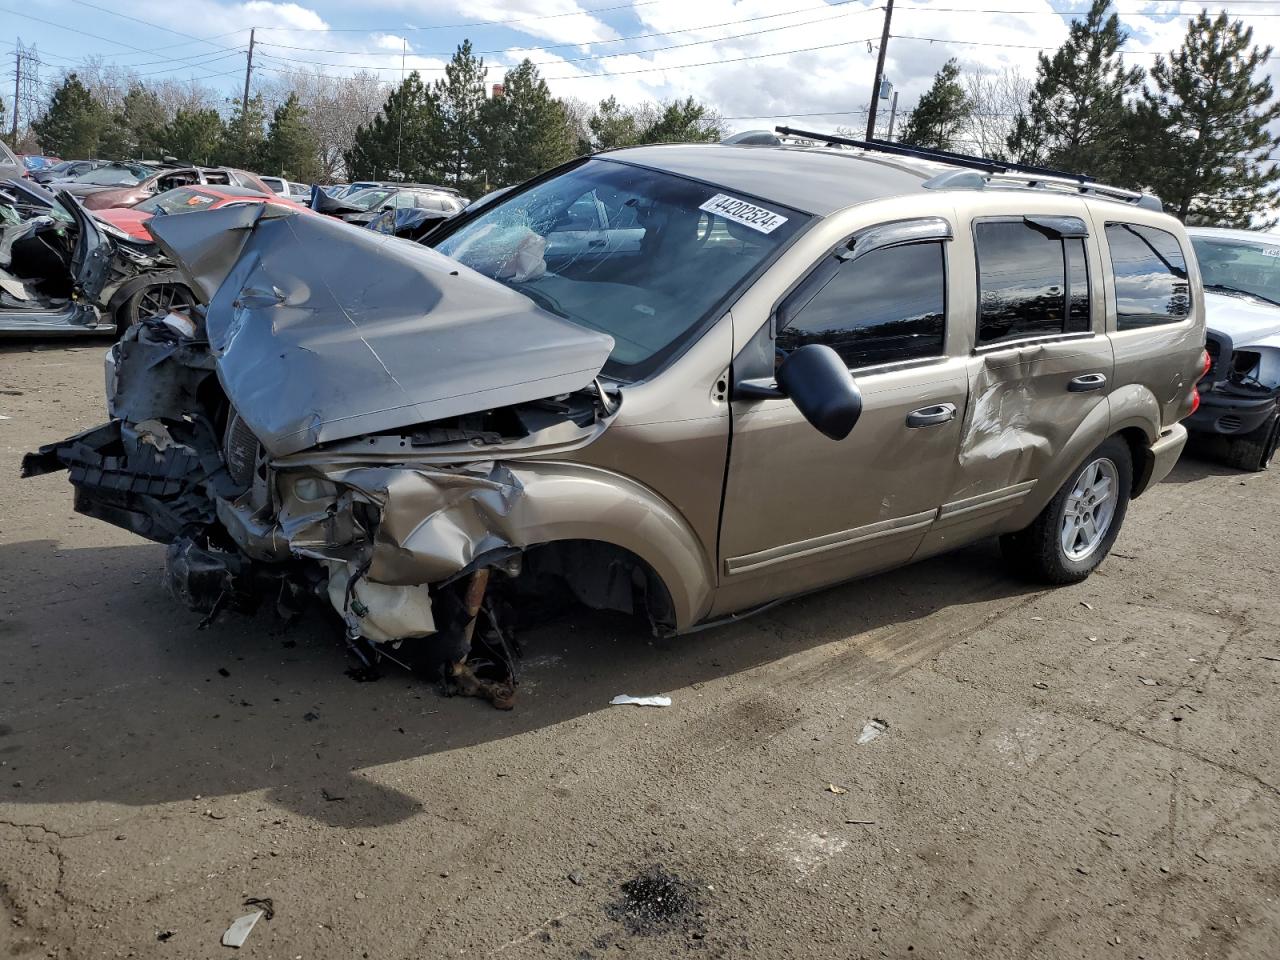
(238, 932)
(623, 698)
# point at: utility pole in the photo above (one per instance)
(875, 87)
(893, 113)
(248, 71)
(17, 89)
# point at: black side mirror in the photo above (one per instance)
(819, 384)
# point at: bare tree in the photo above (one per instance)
(997, 97)
(336, 107)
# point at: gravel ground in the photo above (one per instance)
(1083, 772)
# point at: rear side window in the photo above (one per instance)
(885, 306)
(1032, 281)
(1151, 276)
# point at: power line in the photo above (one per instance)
(473, 23)
(589, 58)
(1025, 46)
(148, 23)
(836, 4)
(84, 33)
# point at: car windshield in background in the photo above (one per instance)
(1240, 265)
(178, 200)
(115, 176)
(641, 255)
(368, 199)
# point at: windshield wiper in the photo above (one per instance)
(544, 300)
(1224, 288)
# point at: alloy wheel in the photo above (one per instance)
(1089, 510)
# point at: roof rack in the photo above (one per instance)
(992, 171)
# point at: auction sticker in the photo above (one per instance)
(747, 214)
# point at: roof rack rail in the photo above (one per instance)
(999, 171)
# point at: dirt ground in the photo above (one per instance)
(1083, 772)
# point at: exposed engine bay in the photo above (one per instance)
(285, 462)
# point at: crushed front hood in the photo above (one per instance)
(1243, 319)
(323, 331)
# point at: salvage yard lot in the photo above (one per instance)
(1089, 771)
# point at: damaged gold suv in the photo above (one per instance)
(681, 380)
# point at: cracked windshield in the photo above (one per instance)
(641, 255)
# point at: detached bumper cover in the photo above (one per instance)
(1164, 454)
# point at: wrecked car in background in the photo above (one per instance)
(681, 381)
(408, 211)
(63, 272)
(1240, 391)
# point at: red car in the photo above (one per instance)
(184, 200)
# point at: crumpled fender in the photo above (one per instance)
(434, 523)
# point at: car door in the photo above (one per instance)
(1039, 371)
(801, 510)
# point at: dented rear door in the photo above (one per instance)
(1039, 371)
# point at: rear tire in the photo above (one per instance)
(1074, 532)
(1254, 451)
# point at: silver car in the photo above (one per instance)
(683, 381)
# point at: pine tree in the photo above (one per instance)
(244, 138)
(74, 123)
(613, 125)
(461, 98)
(134, 130)
(683, 121)
(1079, 117)
(1208, 108)
(193, 136)
(404, 142)
(526, 130)
(290, 149)
(941, 112)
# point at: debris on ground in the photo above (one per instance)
(864, 823)
(1040, 685)
(655, 902)
(1148, 682)
(576, 878)
(164, 936)
(832, 788)
(240, 929)
(624, 699)
(872, 729)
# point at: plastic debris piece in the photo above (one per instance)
(1147, 681)
(873, 728)
(1040, 685)
(832, 788)
(624, 699)
(239, 931)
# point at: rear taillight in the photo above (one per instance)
(1195, 401)
(1204, 367)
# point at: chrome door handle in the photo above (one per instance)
(931, 416)
(1087, 382)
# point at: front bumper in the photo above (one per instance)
(1228, 414)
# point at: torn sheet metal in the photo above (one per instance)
(307, 357)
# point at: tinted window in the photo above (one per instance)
(1023, 273)
(1151, 276)
(885, 306)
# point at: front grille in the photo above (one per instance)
(1229, 424)
(241, 450)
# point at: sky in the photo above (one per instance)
(758, 62)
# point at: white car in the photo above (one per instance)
(1240, 391)
(287, 188)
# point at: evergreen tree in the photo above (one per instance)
(134, 130)
(613, 125)
(1208, 108)
(525, 131)
(74, 123)
(941, 113)
(244, 138)
(290, 149)
(1079, 116)
(461, 98)
(403, 142)
(683, 121)
(193, 136)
